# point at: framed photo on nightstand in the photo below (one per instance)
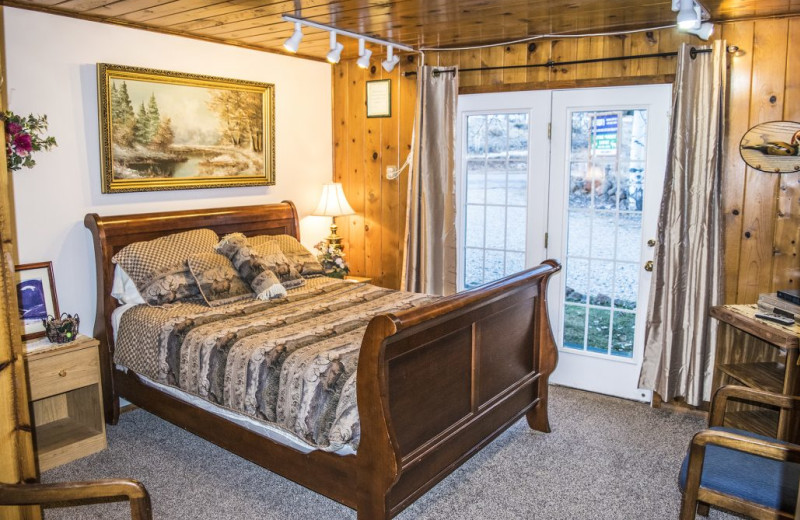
(36, 297)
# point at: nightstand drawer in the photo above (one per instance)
(63, 372)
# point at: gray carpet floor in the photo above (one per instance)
(606, 458)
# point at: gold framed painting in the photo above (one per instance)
(162, 130)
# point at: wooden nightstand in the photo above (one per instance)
(360, 279)
(67, 400)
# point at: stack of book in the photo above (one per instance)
(780, 303)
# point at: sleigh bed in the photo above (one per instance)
(435, 382)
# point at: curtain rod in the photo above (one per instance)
(693, 53)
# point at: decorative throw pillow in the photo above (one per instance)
(278, 263)
(217, 279)
(252, 268)
(301, 258)
(158, 267)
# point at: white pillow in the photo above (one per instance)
(123, 288)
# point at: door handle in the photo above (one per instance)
(651, 242)
(648, 266)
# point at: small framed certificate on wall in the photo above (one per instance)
(379, 98)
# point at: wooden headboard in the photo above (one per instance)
(112, 233)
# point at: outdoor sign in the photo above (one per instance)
(604, 134)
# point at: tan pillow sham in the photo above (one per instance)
(218, 280)
(159, 267)
(301, 258)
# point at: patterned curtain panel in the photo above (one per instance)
(429, 258)
(687, 277)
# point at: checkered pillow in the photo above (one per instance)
(217, 279)
(159, 267)
(301, 258)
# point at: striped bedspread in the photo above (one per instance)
(289, 362)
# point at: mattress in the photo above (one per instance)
(289, 364)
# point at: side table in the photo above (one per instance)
(67, 399)
(770, 364)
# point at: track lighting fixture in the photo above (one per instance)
(391, 60)
(335, 53)
(364, 54)
(688, 16)
(293, 42)
(703, 32)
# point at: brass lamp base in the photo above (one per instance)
(333, 239)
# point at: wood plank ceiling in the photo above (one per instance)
(417, 23)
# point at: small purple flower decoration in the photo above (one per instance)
(24, 135)
(13, 128)
(23, 145)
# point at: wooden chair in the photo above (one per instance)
(80, 492)
(741, 471)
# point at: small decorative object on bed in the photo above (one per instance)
(772, 147)
(36, 296)
(24, 135)
(164, 130)
(367, 395)
(62, 329)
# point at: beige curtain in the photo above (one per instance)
(429, 257)
(687, 277)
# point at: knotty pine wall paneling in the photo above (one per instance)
(761, 211)
(363, 149)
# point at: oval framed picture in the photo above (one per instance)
(772, 147)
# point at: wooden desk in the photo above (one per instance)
(67, 400)
(769, 364)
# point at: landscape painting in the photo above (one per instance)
(167, 130)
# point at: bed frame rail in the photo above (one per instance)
(437, 383)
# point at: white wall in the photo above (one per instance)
(51, 69)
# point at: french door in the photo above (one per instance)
(590, 163)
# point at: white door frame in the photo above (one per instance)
(578, 368)
(536, 104)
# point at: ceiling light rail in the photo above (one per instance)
(293, 43)
(693, 53)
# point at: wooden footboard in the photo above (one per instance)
(438, 383)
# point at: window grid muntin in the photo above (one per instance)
(507, 116)
(591, 210)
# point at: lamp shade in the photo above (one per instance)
(333, 202)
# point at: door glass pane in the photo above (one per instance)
(496, 172)
(606, 166)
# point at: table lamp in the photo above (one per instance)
(333, 204)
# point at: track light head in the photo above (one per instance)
(689, 16)
(293, 42)
(391, 60)
(363, 60)
(335, 53)
(704, 32)
(364, 54)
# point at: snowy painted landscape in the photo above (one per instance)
(167, 130)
